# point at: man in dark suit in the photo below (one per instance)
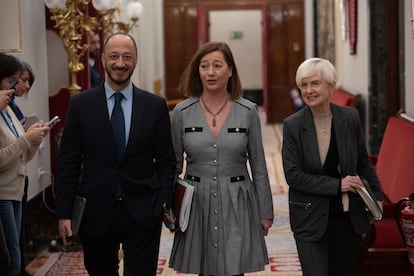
(126, 186)
(94, 51)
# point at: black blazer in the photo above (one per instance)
(309, 189)
(146, 173)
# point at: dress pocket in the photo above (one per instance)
(304, 205)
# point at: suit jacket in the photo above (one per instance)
(309, 189)
(95, 76)
(146, 173)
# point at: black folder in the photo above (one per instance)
(79, 204)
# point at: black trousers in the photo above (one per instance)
(4, 252)
(140, 246)
(335, 253)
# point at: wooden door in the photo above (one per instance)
(181, 42)
(285, 43)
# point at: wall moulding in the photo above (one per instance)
(11, 32)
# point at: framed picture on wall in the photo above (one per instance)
(10, 29)
(343, 11)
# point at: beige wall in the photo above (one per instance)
(354, 70)
(247, 50)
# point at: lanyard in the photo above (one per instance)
(9, 123)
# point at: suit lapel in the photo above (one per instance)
(310, 142)
(344, 141)
(136, 116)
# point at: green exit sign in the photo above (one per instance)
(236, 35)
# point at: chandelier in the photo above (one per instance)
(72, 23)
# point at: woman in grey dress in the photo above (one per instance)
(218, 132)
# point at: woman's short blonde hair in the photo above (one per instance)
(313, 66)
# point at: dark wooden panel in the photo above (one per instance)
(285, 53)
(180, 33)
(276, 49)
(295, 39)
(280, 104)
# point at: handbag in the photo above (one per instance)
(371, 204)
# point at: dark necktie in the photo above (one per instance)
(118, 125)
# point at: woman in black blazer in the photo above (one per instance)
(325, 160)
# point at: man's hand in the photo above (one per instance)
(65, 230)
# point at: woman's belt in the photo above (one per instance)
(232, 178)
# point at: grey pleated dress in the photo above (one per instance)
(224, 235)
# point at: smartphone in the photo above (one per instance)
(13, 85)
(54, 119)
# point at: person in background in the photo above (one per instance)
(17, 147)
(126, 166)
(94, 53)
(4, 252)
(325, 161)
(219, 132)
(26, 81)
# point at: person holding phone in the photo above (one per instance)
(17, 147)
(21, 89)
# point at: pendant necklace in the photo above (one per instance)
(214, 114)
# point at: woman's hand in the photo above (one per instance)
(36, 132)
(351, 183)
(266, 224)
(5, 96)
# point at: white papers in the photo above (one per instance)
(185, 208)
(370, 203)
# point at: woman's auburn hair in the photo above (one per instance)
(190, 83)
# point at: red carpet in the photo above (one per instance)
(68, 263)
(71, 263)
(283, 258)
